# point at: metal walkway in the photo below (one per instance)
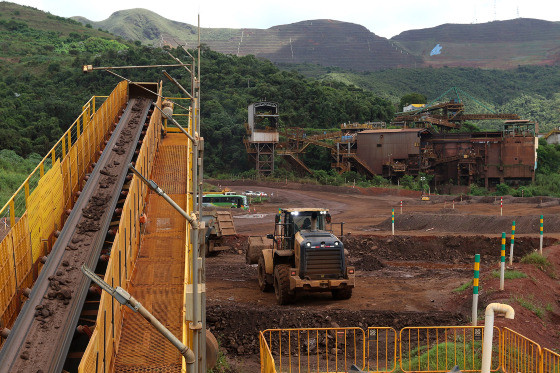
(158, 276)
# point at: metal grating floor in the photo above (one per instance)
(170, 171)
(157, 278)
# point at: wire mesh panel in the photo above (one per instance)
(7, 280)
(316, 349)
(22, 253)
(439, 349)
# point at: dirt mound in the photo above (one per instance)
(534, 299)
(236, 326)
(369, 252)
(453, 222)
(366, 251)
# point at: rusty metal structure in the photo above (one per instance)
(463, 158)
(262, 135)
(447, 115)
(428, 140)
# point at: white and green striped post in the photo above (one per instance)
(393, 221)
(503, 261)
(475, 289)
(512, 241)
(541, 238)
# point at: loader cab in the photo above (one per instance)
(291, 221)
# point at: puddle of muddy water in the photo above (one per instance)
(251, 216)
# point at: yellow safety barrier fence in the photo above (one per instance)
(550, 361)
(187, 332)
(178, 112)
(519, 353)
(102, 348)
(313, 349)
(418, 349)
(381, 349)
(36, 210)
(267, 362)
(439, 349)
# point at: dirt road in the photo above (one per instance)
(410, 279)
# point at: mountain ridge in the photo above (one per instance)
(331, 43)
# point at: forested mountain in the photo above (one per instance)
(498, 44)
(325, 42)
(42, 87)
(42, 90)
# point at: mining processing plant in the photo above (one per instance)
(426, 140)
(101, 263)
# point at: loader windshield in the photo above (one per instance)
(303, 220)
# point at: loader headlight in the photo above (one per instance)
(308, 244)
(336, 243)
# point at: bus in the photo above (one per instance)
(225, 200)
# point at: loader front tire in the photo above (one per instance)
(282, 284)
(340, 294)
(264, 285)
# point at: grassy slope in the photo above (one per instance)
(38, 19)
(147, 26)
(31, 39)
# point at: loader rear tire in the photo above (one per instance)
(282, 284)
(340, 294)
(264, 285)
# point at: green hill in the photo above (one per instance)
(152, 29)
(42, 87)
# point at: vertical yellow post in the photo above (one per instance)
(12, 213)
(63, 146)
(27, 194)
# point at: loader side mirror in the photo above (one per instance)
(277, 218)
(328, 218)
(270, 236)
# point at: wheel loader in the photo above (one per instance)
(303, 256)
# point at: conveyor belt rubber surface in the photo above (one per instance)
(43, 331)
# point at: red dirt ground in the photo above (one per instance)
(402, 280)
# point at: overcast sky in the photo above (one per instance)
(385, 18)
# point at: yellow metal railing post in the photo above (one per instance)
(26, 194)
(12, 213)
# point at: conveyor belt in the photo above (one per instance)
(43, 331)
